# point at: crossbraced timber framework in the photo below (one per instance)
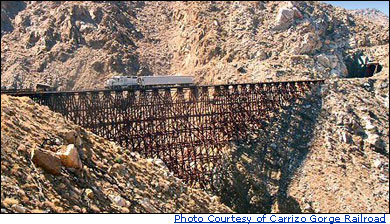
(186, 127)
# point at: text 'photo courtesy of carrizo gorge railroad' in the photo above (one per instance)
(194, 107)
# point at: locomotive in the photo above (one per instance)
(45, 87)
(123, 82)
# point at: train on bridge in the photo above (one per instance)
(124, 82)
(119, 83)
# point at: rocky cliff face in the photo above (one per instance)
(80, 45)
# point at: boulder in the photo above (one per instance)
(333, 61)
(346, 138)
(297, 13)
(159, 163)
(70, 157)
(310, 43)
(286, 16)
(18, 208)
(328, 61)
(261, 55)
(374, 139)
(145, 204)
(47, 160)
(119, 201)
(377, 163)
(369, 126)
(71, 136)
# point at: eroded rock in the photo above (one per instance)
(70, 157)
(47, 160)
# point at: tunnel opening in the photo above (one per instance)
(361, 66)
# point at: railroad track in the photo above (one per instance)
(26, 92)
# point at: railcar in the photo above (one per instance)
(164, 80)
(123, 82)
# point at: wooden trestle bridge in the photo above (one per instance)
(186, 127)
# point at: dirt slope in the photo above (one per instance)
(111, 179)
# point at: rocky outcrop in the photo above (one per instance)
(58, 48)
(329, 61)
(311, 43)
(327, 153)
(9, 11)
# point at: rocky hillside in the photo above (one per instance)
(68, 169)
(373, 15)
(347, 168)
(328, 153)
(223, 42)
(77, 45)
(73, 45)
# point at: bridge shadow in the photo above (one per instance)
(256, 173)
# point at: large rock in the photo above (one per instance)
(18, 208)
(286, 16)
(70, 157)
(89, 193)
(119, 201)
(47, 160)
(145, 204)
(311, 42)
(374, 139)
(328, 61)
(71, 136)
